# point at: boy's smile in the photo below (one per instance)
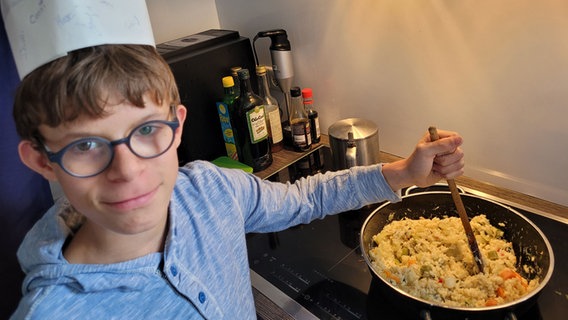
(134, 202)
(129, 199)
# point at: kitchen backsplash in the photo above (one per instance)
(494, 71)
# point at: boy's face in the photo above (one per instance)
(132, 194)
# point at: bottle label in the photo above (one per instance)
(317, 126)
(275, 125)
(227, 129)
(301, 133)
(256, 122)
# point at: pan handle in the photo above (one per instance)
(425, 315)
(510, 316)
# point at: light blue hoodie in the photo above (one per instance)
(203, 271)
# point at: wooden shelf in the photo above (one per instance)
(285, 157)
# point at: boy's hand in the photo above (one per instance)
(430, 162)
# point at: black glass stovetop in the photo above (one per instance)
(320, 266)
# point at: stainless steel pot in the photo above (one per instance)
(354, 142)
(531, 247)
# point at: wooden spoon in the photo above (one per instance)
(461, 211)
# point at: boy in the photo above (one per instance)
(134, 235)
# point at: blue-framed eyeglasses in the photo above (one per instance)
(90, 156)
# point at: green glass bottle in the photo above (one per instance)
(252, 127)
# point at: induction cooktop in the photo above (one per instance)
(316, 270)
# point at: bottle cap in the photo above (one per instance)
(43, 31)
(307, 95)
(295, 92)
(307, 92)
(228, 82)
(243, 74)
(234, 70)
(260, 70)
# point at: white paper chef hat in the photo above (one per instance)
(41, 31)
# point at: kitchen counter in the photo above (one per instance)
(546, 208)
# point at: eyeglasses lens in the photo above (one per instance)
(87, 156)
(90, 156)
(151, 139)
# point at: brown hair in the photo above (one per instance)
(80, 83)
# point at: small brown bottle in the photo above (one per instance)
(312, 114)
(299, 121)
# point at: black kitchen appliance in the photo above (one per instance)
(199, 62)
(317, 271)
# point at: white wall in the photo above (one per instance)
(496, 71)
(172, 19)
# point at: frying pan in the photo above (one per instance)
(531, 247)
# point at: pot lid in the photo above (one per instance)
(361, 129)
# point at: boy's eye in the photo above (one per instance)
(146, 130)
(86, 146)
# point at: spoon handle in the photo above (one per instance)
(461, 211)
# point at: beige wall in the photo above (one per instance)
(172, 19)
(496, 71)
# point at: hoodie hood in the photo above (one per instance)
(41, 258)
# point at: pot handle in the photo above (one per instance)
(351, 151)
(425, 315)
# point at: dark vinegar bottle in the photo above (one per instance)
(312, 114)
(252, 127)
(300, 123)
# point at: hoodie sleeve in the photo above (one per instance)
(269, 206)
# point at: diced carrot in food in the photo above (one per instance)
(509, 274)
(491, 302)
(500, 292)
(391, 276)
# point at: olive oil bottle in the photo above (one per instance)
(252, 127)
